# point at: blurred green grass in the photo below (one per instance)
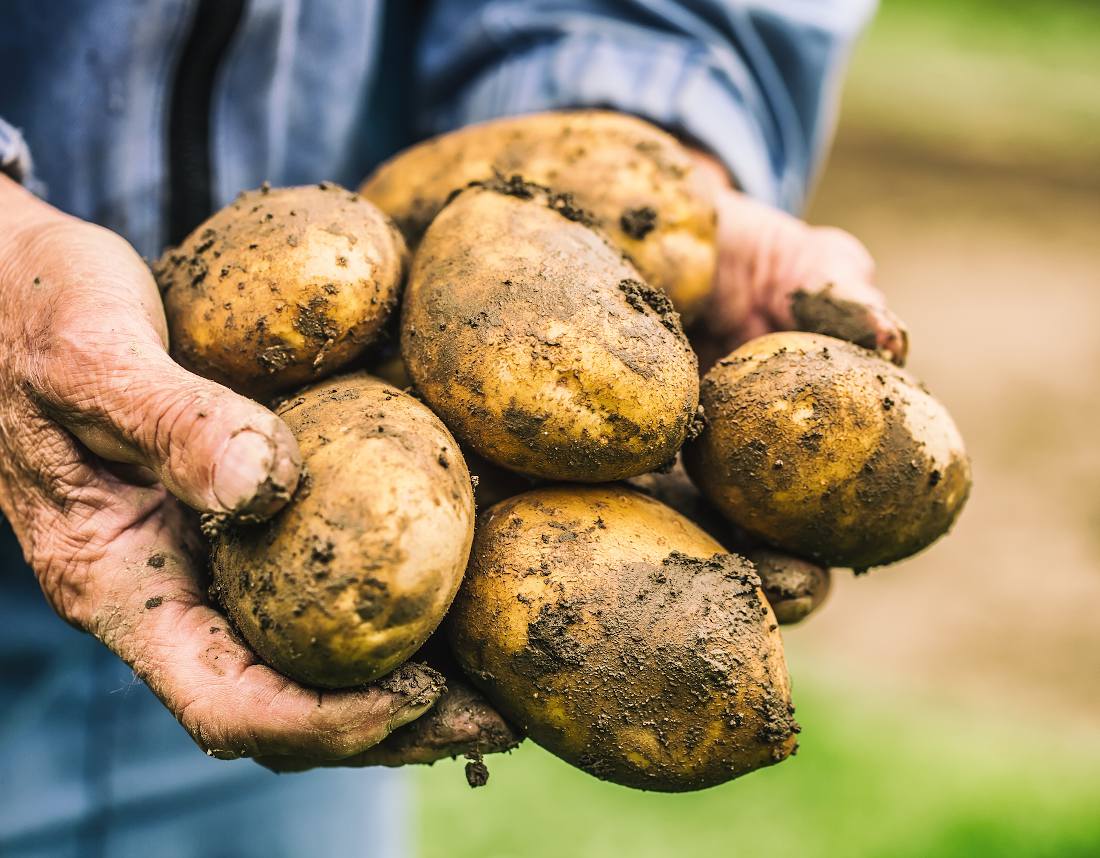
(873, 777)
(1008, 82)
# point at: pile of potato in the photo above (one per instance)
(536, 271)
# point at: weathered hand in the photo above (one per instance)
(100, 434)
(461, 723)
(776, 272)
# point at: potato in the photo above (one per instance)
(353, 575)
(794, 587)
(537, 343)
(822, 449)
(620, 637)
(282, 287)
(638, 181)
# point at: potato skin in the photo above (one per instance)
(354, 574)
(638, 181)
(621, 638)
(282, 287)
(794, 587)
(539, 346)
(822, 449)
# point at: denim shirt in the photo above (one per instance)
(321, 89)
(306, 90)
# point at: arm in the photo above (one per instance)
(751, 84)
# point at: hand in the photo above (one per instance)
(461, 723)
(777, 273)
(101, 436)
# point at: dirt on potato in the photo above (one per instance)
(819, 448)
(282, 287)
(622, 638)
(518, 330)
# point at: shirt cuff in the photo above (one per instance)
(673, 85)
(15, 157)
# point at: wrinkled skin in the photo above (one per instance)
(106, 449)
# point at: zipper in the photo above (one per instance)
(190, 191)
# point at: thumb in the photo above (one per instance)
(213, 449)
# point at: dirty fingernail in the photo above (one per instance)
(416, 688)
(411, 711)
(243, 471)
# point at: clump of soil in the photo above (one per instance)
(477, 773)
(517, 186)
(641, 296)
(639, 222)
(823, 313)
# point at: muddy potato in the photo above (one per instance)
(537, 343)
(638, 181)
(620, 637)
(794, 587)
(282, 287)
(822, 449)
(354, 574)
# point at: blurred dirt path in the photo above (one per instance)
(998, 277)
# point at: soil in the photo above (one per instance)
(824, 313)
(642, 297)
(638, 223)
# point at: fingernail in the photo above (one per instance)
(417, 686)
(243, 470)
(410, 712)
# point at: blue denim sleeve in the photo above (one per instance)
(15, 157)
(753, 81)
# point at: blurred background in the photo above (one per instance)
(950, 704)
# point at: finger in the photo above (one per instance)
(771, 263)
(794, 587)
(828, 287)
(127, 401)
(229, 703)
(461, 723)
(850, 311)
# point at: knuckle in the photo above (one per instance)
(840, 242)
(64, 582)
(214, 737)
